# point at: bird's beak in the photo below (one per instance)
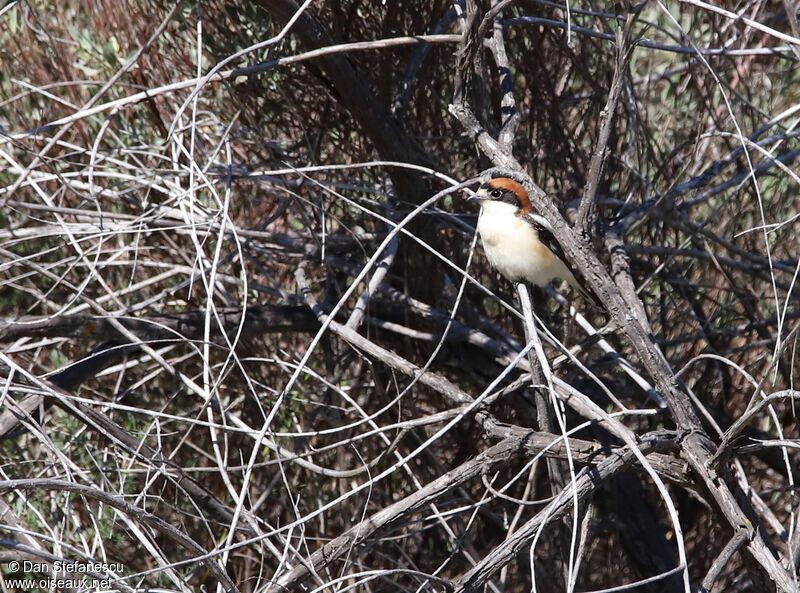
(481, 194)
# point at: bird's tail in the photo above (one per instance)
(583, 291)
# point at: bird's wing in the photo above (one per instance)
(548, 239)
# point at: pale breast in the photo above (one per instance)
(512, 246)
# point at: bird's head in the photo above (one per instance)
(507, 191)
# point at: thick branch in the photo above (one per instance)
(698, 449)
(390, 140)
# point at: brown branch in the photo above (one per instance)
(697, 449)
(390, 140)
(586, 484)
(509, 115)
(545, 414)
(577, 449)
(103, 425)
(115, 345)
(138, 514)
(724, 450)
(495, 456)
(421, 53)
(511, 447)
(723, 560)
(606, 126)
(177, 326)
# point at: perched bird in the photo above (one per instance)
(518, 242)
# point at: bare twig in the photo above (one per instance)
(167, 530)
(606, 125)
(722, 560)
(698, 450)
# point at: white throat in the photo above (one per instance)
(492, 208)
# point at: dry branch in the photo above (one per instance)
(379, 430)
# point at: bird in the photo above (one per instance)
(518, 242)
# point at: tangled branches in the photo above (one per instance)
(250, 340)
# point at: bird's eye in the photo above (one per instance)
(496, 193)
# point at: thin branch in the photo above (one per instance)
(167, 530)
(606, 125)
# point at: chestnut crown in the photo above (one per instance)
(507, 190)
